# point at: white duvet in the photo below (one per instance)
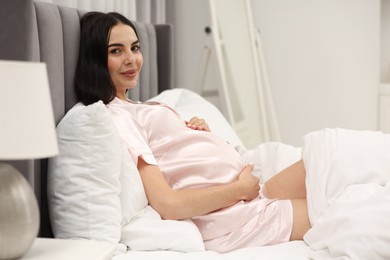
(348, 192)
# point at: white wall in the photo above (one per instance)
(385, 41)
(323, 62)
(322, 58)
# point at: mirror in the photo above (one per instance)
(236, 47)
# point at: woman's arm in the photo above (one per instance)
(184, 204)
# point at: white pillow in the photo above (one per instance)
(83, 180)
(132, 196)
(147, 231)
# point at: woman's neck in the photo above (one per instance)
(122, 96)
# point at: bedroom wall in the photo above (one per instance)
(322, 58)
(384, 91)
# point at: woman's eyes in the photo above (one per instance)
(115, 51)
(135, 48)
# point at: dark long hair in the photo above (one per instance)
(92, 80)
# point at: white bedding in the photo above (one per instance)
(348, 191)
(296, 250)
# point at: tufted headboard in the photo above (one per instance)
(40, 31)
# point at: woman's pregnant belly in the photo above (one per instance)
(196, 159)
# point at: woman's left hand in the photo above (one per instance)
(197, 123)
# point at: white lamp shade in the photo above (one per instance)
(27, 128)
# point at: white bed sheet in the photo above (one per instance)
(296, 250)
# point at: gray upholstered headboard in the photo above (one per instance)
(39, 31)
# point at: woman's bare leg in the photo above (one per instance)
(288, 184)
(301, 223)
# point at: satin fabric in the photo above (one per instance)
(273, 225)
(187, 158)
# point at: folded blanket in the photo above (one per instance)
(348, 193)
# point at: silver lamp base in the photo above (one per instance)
(19, 214)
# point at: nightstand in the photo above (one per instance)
(68, 249)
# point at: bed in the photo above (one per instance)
(348, 201)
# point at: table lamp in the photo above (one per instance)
(27, 131)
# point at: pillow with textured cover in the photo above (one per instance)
(84, 179)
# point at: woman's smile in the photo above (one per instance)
(130, 73)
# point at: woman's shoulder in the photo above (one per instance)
(130, 105)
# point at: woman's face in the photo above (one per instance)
(124, 58)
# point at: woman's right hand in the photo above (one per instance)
(249, 183)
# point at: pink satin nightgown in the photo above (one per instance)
(192, 159)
